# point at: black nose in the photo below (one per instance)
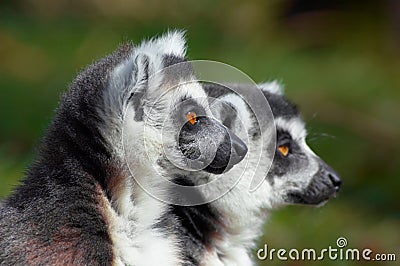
(239, 149)
(335, 179)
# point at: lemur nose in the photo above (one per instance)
(239, 149)
(335, 179)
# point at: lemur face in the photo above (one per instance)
(297, 175)
(167, 118)
(203, 141)
(191, 139)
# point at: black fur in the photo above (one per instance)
(191, 137)
(216, 141)
(197, 226)
(55, 215)
(325, 183)
(176, 68)
(281, 164)
(280, 105)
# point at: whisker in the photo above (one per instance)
(314, 115)
(315, 136)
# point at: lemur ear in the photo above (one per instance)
(137, 72)
(149, 56)
(273, 87)
(171, 43)
(142, 70)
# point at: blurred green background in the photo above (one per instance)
(339, 60)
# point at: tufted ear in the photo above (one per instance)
(147, 58)
(171, 43)
(150, 54)
(273, 87)
(135, 74)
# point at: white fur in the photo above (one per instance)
(136, 243)
(171, 43)
(273, 87)
(137, 145)
(231, 256)
(294, 126)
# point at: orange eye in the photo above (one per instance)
(284, 149)
(191, 117)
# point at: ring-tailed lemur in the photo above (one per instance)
(297, 176)
(79, 203)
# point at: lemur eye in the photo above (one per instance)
(191, 117)
(284, 149)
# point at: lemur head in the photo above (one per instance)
(157, 116)
(297, 175)
(301, 175)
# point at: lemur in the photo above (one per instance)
(82, 201)
(297, 175)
